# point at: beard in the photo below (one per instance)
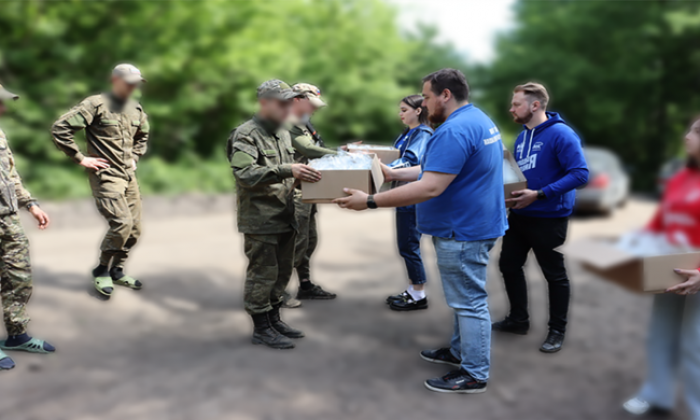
(523, 120)
(437, 115)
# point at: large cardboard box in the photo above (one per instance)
(386, 154)
(333, 181)
(639, 274)
(509, 159)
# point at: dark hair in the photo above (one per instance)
(450, 79)
(416, 102)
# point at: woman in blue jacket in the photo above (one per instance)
(411, 143)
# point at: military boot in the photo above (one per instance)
(263, 333)
(280, 326)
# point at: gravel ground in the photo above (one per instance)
(180, 349)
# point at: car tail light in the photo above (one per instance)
(600, 181)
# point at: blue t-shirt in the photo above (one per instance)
(472, 208)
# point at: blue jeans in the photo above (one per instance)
(462, 267)
(673, 352)
(408, 239)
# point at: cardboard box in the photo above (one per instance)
(385, 154)
(333, 181)
(509, 159)
(638, 274)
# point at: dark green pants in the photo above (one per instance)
(270, 264)
(119, 202)
(307, 238)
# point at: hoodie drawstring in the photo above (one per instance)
(529, 147)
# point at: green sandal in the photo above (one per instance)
(34, 345)
(129, 282)
(104, 285)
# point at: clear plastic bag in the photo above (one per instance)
(369, 147)
(343, 160)
(643, 243)
(509, 174)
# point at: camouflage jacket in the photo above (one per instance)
(115, 131)
(305, 146)
(262, 158)
(12, 193)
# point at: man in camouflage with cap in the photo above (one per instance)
(308, 144)
(15, 266)
(117, 131)
(262, 158)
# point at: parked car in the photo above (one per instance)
(608, 184)
(667, 171)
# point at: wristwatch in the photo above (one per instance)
(540, 195)
(371, 204)
(32, 204)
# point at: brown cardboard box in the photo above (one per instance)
(385, 155)
(514, 186)
(638, 274)
(333, 181)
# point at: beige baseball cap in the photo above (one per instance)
(311, 92)
(129, 73)
(6, 94)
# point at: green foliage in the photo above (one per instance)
(203, 60)
(624, 74)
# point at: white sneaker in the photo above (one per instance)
(637, 406)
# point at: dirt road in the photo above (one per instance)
(180, 349)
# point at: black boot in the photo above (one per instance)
(280, 326)
(553, 343)
(263, 333)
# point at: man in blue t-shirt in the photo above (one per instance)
(459, 192)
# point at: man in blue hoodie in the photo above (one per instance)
(550, 156)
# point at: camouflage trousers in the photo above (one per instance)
(307, 237)
(119, 201)
(15, 274)
(270, 264)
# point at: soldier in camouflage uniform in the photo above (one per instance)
(307, 145)
(117, 131)
(15, 266)
(262, 158)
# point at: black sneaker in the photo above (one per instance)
(401, 296)
(408, 304)
(442, 356)
(315, 292)
(457, 382)
(508, 326)
(553, 343)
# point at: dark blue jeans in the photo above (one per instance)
(408, 239)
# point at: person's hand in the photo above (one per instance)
(40, 216)
(689, 287)
(133, 164)
(523, 198)
(345, 146)
(94, 163)
(305, 173)
(356, 200)
(388, 172)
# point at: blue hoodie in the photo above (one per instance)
(551, 158)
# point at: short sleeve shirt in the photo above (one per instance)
(468, 145)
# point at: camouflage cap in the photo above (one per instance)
(6, 94)
(129, 73)
(277, 89)
(311, 92)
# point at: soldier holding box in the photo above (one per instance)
(262, 158)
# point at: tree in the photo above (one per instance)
(622, 73)
(203, 60)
